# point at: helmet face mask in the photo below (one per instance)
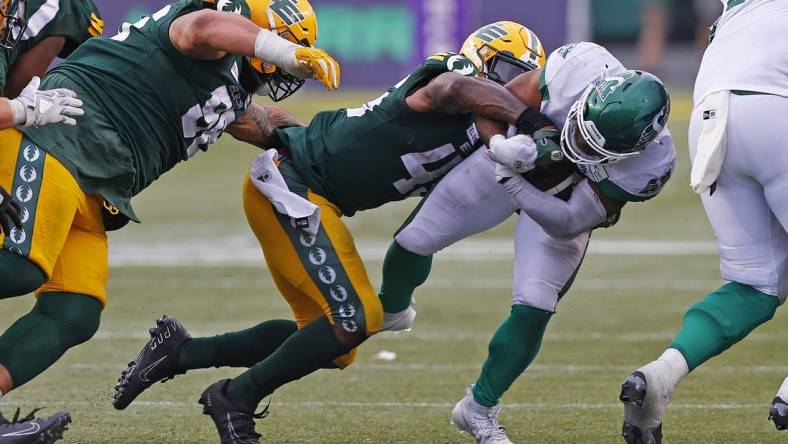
(14, 24)
(503, 67)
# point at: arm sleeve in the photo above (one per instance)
(564, 220)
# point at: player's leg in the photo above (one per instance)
(545, 268)
(64, 236)
(327, 272)
(465, 202)
(753, 250)
(778, 411)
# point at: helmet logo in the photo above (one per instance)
(652, 131)
(227, 6)
(491, 32)
(287, 11)
(609, 85)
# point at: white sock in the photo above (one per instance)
(662, 376)
(783, 392)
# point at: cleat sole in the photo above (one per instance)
(633, 390)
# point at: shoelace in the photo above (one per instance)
(29, 417)
(487, 423)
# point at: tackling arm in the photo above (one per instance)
(258, 125)
(209, 35)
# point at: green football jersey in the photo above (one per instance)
(364, 157)
(147, 107)
(76, 20)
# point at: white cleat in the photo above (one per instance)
(401, 321)
(478, 420)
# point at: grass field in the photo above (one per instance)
(195, 258)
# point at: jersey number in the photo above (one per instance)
(205, 123)
(125, 29)
(415, 164)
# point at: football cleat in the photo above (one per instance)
(29, 430)
(401, 321)
(480, 421)
(778, 412)
(235, 425)
(158, 361)
(633, 392)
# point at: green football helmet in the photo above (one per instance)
(615, 118)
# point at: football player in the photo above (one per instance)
(157, 93)
(613, 128)
(345, 161)
(32, 34)
(737, 146)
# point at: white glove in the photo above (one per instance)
(517, 153)
(35, 108)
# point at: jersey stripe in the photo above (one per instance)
(45, 14)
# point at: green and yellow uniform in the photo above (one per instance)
(350, 160)
(76, 20)
(147, 107)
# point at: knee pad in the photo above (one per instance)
(18, 275)
(77, 316)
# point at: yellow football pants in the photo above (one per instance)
(320, 275)
(63, 230)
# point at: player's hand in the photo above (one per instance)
(38, 107)
(517, 153)
(316, 64)
(10, 211)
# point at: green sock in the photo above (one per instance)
(305, 351)
(18, 276)
(242, 348)
(723, 318)
(38, 339)
(512, 349)
(403, 271)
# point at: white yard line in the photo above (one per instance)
(244, 251)
(393, 404)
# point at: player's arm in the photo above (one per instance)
(35, 107)
(33, 62)
(586, 209)
(209, 35)
(258, 125)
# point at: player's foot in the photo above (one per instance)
(634, 394)
(29, 430)
(401, 321)
(778, 412)
(235, 424)
(478, 420)
(158, 361)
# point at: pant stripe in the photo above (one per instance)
(26, 186)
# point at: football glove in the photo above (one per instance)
(317, 64)
(34, 107)
(518, 153)
(10, 211)
(548, 148)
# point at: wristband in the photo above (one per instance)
(271, 48)
(531, 121)
(18, 111)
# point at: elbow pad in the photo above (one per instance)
(564, 220)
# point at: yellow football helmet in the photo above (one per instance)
(503, 50)
(12, 22)
(294, 20)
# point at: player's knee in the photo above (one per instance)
(18, 275)
(733, 310)
(77, 316)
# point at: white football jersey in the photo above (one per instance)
(569, 71)
(749, 51)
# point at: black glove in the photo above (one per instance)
(9, 212)
(531, 121)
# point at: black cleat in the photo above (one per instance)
(778, 412)
(158, 361)
(633, 392)
(235, 425)
(30, 430)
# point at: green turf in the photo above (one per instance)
(622, 312)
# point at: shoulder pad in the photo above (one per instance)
(451, 62)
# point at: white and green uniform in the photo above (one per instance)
(469, 200)
(747, 104)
